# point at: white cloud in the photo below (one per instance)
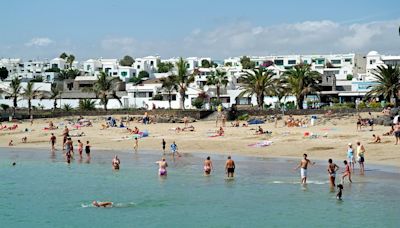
(39, 42)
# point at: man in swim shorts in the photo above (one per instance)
(174, 149)
(102, 204)
(162, 167)
(332, 168)
(303, 168)
(230, 167)
(207, 166)
(116, 162)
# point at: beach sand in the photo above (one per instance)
(287, 142)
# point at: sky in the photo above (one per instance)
(219, 29)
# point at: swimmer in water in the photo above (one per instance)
(339, 194)
(207, 166)
(102, 204)
(116, 162)
(162, 170)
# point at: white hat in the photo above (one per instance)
(349, 144)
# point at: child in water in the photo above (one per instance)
(339, 194)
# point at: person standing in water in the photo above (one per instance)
(174, 149)
(87, 150)
(163, 145)
(80, 148)
(332, 168)
(360, 156)
(347, 172)
(350, 156)
(208, 166)
(303, 168)
(162, 167)
(136, 145)
(53, 142)
(230, 167)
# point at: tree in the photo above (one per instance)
(55, 93)
(218, 78)
(87, 105)
(68, 74)
(388, 83)
(30, 93)
(63, 55)
(259, 82)
(205, 63)
(15, 90)
(3, 73)
(247, 63)
(104, 88)
(164, 67)
(169, 84)
(183, 79)
(300, 81)
(70, 60)
(126, 61)
(143, 74)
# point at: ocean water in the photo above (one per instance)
(43, 191)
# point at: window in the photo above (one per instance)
(292, 62)
(150, 94)
(87, 67)
(173, 97)
(305, 62)
(70, 86)
(115, 73)
(320, 61)
(336, 61)
(278, 62)
(138, 67)
(124, 73)
(151, 63)
(347, 60)
(372, 61)
(141, 94)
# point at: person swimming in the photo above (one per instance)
(102, 204)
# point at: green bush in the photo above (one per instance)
(349, 77)
(5, 107)
(290, 105)
(362, 104)
(374, 105)
(67, 107)
(198, 103)
(87, 104)
(244, 117)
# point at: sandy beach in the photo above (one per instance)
(332, 136)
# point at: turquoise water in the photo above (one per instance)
(43, 191)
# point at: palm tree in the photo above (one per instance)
(30, 93)
(15, 90)
(183, 79)
(300, 81)
(70, 60)
(55, 93)
(217, 78)
(169, 85)
(388, 83)
(104, 89)
(87, 104)
(260, 82)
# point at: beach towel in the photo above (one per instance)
(263, 143)
(255, 121)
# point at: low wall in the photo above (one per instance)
(255, 112)
(23, 114)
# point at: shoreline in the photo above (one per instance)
(221, 156)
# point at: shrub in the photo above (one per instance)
(87, 104)
(374, 105)
(5, 107)
(362, 104)
(349, 77)
(244, 117)
(67, 107)
(198, 103)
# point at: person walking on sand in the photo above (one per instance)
(303, 168)
(53, 142)
(136, 145)
(163, 145)
(347, 172)
(332, 169)
(208, 166)
(397, 132)
(360, 156)
(230, 167)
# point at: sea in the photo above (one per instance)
(42, 190)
